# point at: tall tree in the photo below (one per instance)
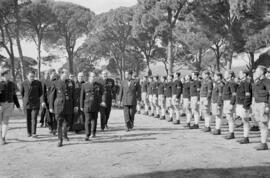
(37, 18)
(113, 32)
(169, 13)
(72, 23)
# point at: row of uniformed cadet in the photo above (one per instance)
(211, 97)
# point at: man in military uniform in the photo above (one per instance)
(62, 103)
(243, 103)
(195, 86)
(144, 94)
(8, 98)
(155, 97)
(44, 110)
(31, 91)
(217, 102)
(168, 95)
(161, 97)
(205, 99)
(176, 92)
(116, 92)
(150, 96)
(229, 98)
(79, 118)
(186, 100)
(261, 105)
(106, 104)
(130, 94)
(90, 101)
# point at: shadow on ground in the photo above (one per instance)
(245, 172)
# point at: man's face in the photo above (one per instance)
(104, 75)
(80, 77)
(92, 77)
(194, 76)
(31, 77)
(128, 76)
(7, 76)
(242, 76)
(53, 74)
(227, 75)
(64, 76)
(259, 72)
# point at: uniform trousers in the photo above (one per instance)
(129, 114)
(62, 124)
(104, 115)
(31, 120)
(90, 123)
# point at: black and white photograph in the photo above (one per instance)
(134, 88)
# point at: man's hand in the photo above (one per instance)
(43, 105)
(266, 111)
(51, 111)
(20, 109)
(103, 104)
(81, 109)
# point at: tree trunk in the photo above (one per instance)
(199, 65)
(11, 54)
(229, 60)
(217, 58)
(123, 67)
(17, 30)
(149, 72)
(169, 57)
(70, 62)
(251, 62)
(39, 57)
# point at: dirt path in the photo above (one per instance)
(154, 149)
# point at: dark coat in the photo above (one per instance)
(91, 97)
(108, 94)
(8, 93)
(62, 98)
(129, 94)
(78, 88)
(31, 94)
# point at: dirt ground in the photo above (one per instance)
(154, 149)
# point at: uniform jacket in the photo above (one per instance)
(206, 88)
(168, 89)
(186, 90)
(161, 88)
(155, 88)
(229, 91)
(91, 96)
(150, 88)
(78, 87)
(262, 91)
(244, 94)
(62, 98)
(195, 87)
(217, 93)
(31, 94)
(130, 92)
(144, 86)
(108, 85)
(8, 93)
(177, 89)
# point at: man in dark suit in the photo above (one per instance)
(130, 93)
(62, 103)
(45, 82)
(106, 105)
(31, 91)
(90, 100)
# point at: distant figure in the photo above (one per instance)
(130, 93)
(31, 91)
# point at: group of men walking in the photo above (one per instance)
(206, 96)
(65, 104)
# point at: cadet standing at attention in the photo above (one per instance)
(90, 100)
(62, 103)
